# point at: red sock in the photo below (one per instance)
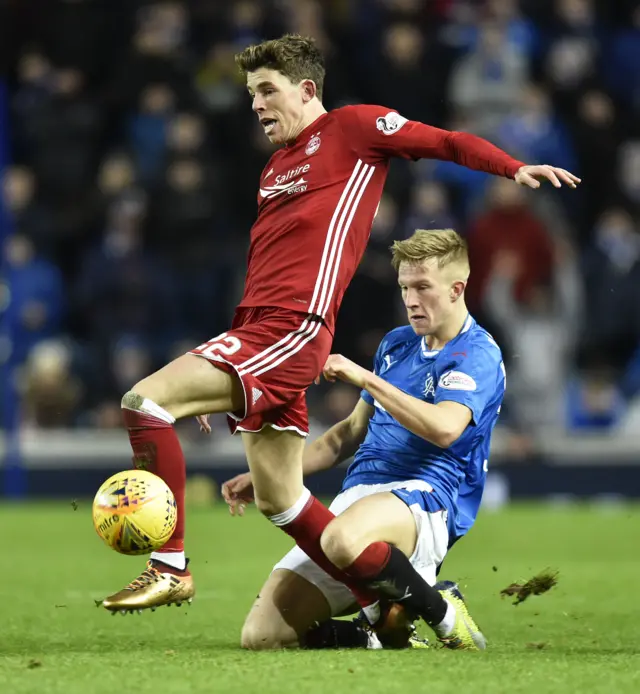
(156, 448)
(306, 529)
(370, 562)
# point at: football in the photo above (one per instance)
(134, 512)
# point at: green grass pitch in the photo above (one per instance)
(583, 636)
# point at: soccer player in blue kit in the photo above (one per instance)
(420, 434)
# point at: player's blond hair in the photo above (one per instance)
(296, 57)
(445, 245)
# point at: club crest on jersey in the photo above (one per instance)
(390, 123)
(429, 390)
(313, 145)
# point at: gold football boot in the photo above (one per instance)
(159, 584)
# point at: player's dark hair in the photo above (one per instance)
(296, 57)
(445, 245)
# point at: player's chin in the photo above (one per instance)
(419, 325)
(276, 138)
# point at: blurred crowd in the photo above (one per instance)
(134, 161)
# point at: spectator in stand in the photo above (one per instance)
(570, 63)
(27, 213)
(534, 132)
(247, 22)
(595, 132)
(50, 390)
(541, 331)
(116, 181)
(187, 228)
(219, 84)
(508, 225)
(405, 55)
(594, 400)
(187, 136)
(32, 303)
(121, 284)
(430, 208)
(629, 171)
(147, 131)
(63, 132)
(156, 56)
(521, 33)
(83, 33)
(32, 93)
(487, 82)
(612, 278)
(464, 18)
(621, 60)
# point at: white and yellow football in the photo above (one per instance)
(134, 512)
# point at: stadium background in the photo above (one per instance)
(130, 158)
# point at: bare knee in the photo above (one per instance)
(258, 636)
(135, 400)
(141, 391)
(132, 401)
(340, 546)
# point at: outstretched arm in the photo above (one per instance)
(476, 153)
(378, 132)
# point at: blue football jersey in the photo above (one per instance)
(468, 370)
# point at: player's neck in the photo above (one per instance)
(449, 330)
(312, 112)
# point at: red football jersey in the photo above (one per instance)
(319, 194)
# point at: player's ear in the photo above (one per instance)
(308, 90)
(457, 290)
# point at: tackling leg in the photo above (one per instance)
(378, 556)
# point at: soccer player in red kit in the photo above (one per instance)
(317, 198)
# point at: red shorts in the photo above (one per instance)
(276, 354)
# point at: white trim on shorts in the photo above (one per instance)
(273, 426)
